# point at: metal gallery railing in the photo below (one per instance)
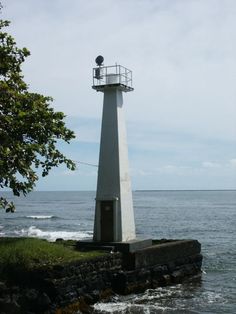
(109, 75)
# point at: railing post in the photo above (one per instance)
(119, 76)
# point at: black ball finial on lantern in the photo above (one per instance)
(99, 60)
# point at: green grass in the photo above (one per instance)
(28, 253)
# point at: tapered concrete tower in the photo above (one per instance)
(114, 216)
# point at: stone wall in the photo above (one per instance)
(150, 277)
(50, 289)
(65, 289)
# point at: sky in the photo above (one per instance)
(181, 116)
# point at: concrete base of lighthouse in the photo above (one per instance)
(123, 247)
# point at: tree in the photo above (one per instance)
(29, 128)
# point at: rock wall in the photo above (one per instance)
(52, 289)
(65, 289)
(172, 272)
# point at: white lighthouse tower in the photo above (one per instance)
(114, 216)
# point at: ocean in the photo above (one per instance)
(208, 216)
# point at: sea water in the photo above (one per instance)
(208, 216)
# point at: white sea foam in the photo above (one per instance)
(110, 307)
(53, 235)
(40, 217)
(123, 307)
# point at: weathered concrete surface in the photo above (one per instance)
(162, 253)
(123, 247)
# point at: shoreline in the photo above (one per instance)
(67, 287)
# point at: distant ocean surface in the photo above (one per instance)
(208, 216)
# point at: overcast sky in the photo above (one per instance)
(181, 117)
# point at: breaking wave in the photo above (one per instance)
(42, 217)
(53, 235)
(174, 299)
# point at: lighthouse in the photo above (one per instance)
(114, 215)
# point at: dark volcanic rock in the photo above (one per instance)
(9, 307)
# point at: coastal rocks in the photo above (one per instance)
(9, 307)
(8, 300)
(23, 300)
(33, 300)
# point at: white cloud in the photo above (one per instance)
(210, 164)
(233, 162)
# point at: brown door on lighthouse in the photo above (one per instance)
(107, 221)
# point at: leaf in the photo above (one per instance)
(29, 126)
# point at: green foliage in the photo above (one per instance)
(29, 127)
(28, 253)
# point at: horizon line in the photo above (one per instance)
(136, 190)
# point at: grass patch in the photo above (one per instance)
(28, 253)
